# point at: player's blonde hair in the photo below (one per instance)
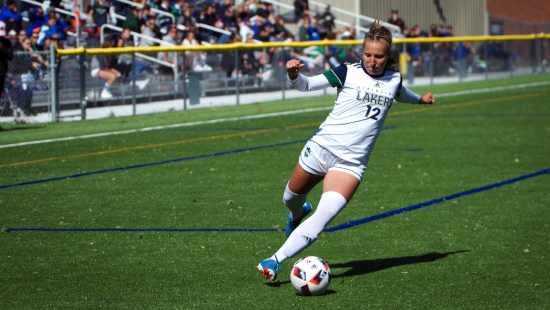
(381, 34)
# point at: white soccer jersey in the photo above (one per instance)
(351, 129)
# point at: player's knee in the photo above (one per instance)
(290, 198)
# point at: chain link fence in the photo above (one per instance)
(192, 78)
(27, 86)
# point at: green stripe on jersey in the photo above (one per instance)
(332, 79)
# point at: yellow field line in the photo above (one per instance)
(142, 147)
(465, 104)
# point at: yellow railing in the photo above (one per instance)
(232, 46)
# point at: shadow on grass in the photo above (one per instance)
(20, 128)
(360, 267)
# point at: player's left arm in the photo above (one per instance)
(406, 95)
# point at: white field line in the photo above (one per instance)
(232, 119)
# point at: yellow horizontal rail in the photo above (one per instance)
(232, 46)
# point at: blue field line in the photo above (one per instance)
(435, 201)
(170, 161)
(331, 229)
(470, 115)
(110, 229)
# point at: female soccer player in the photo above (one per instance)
(340, 149)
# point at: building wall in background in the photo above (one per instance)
(466, 16)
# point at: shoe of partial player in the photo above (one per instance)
(268, 268)
(105, 94)
(293, 223)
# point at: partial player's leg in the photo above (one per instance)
(338, 189)
(295, 196)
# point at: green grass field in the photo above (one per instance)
(178, 218)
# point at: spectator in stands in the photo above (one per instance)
(395, 19)
(37, 19)
(280, 33)
(442, 57)
(18, 44)
(101, 69)
(327, 23)
(60, 26)
(347, 53)
(243, 11)
(98, 13)
(170, 39)
(151, 30)
(207, 16)
(132, 21)
(140, 64)
(229, 20)
(154, 4)
(146, 14)
(307, 32)
(432, 31)
(312, 57)
(195, 61)
(34, 41)
(178, 8)
(187, 19)
(264, 36)
(227, 62)
(52, 29)
(441, 30)
(245, 29)
(164, 21)
(26, 62)
(301, 7)
(6, 55)
(464, 50)
(10, 17)
(449, 31)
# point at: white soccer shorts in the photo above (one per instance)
(317, 160)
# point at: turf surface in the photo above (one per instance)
(134, 212)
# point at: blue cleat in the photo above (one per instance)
(292, 224)
(268, 268)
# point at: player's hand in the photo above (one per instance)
(427, 98)
(293, 67)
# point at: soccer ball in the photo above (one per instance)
(310, 276)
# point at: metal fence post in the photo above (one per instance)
(542, 55)
(83, 99)
(431, 64)
(237, 75)
(184, 82)
(533, 56)
(134, 77)
(283, 73)
(510, 60)
(53, 67)
(486, 55)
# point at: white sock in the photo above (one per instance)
(294, 202)
(330, 205)
(107, 85)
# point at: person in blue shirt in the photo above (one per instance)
(10, 17)
(37, 19)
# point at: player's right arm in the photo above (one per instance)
(304, 83)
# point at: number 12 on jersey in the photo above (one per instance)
(375, 113)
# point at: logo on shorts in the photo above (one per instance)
(307, 151)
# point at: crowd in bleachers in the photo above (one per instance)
(170, 22)
(195, 22)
